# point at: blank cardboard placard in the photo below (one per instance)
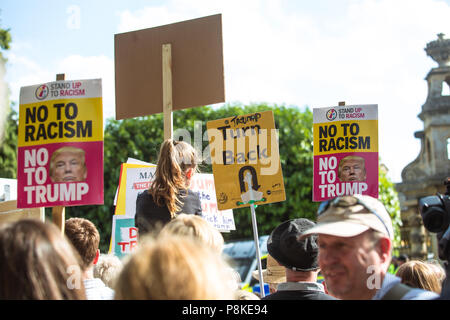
(197, 66)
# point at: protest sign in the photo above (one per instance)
(134, 179)
(60, 144)
(203, 184)
(130, 161)
(124, 236)
(246, 165)
(245, 160)
(197, 76)
(345, 151)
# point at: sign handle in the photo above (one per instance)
(341, 103)
(167, 90)
(255, 235)
(59, 212)
(59, 217)
(258, 254)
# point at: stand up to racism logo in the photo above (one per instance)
(42, 92)
(331, 114)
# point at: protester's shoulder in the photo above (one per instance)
(324, 296)
(275, 296)
(144, 200)
(194, 195)
(192, 199)
(298, 295)
(144, 195)
(420, 294)
(97, 290)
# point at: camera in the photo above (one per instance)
(435, 212)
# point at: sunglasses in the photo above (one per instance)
(336, 202)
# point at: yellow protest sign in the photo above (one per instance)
(245, 160)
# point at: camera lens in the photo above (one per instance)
(434, 216)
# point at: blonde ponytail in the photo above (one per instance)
(175, 157)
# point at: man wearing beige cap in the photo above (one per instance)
(355, 242)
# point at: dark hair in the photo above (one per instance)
(36, 262)
(85, 237)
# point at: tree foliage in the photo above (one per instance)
(389, 197)
(8, 119)
(8, 150)
(5, 38)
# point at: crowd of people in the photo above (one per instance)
(179, 255)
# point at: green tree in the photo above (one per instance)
(5, 38)
(8, 118)
(389, 197)
(8, 150)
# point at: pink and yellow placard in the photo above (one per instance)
(60, 144)
(345, 151)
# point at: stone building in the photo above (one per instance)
(426, 174)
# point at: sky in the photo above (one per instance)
(284, 52)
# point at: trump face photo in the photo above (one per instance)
(67, 164)
(352, 168)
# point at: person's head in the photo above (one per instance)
(403, 258)
(177, 163)
(352, 168)
(438, 269)
(195, 226)
(85, 237)
(38, 263)
(273, 275)
(418, 274)
(107, 269)
(68, 164)
(355, 242)
(296, 255)
(174, 267)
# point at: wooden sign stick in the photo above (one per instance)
(59, 212)
(341, 103)
(167, 90)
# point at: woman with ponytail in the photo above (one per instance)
(169, 194)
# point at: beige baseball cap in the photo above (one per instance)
(349, 216)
